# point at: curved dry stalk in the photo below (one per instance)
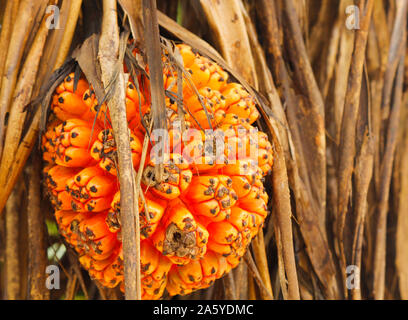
(363, 174)
(280, 275)
(108, 56)
(23, 247)
(283, 135)
(185, 35)
(314, 109)
(71, 286)
(229, 286)
(69, 29)
(9, 17)
(386, 172)
(133, 9)
(258, 247)
(383, 43)
(154, 60)
(22, 154)
(320, 30)
(12, 264)
(284, 215)
(256, 276)
(52, 47)
(397, 48)
(241, 272)
(77, 269)
(37, 259)
(102, 290)
(267, 87)
(21, 97)
(348, 132)
(401, 259)
(334, 89)
(19, 35)
(226, 20)
(307, 211)
(251, 287)
(341, 72)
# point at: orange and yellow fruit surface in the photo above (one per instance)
(197, 222)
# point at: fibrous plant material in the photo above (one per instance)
(198, 218)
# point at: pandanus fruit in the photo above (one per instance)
(197, 221)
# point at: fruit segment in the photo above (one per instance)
(198, 274)
(92, 190)
(56, 178)
(174, 181)
(239, 102)
(151, 210)
(67, 103)
(72, 141)
(211, 196)
(180, 237)
(104, 151)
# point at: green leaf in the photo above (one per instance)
(52, 228)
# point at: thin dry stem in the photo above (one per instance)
(9, 16)
(259, 249)
(14, 55)
(226, 20)
(256, 276)
(12, 264)
(75, 7)
(21, 97)
(108, 57)
(387, 165)
(37, 258)
(348, 130)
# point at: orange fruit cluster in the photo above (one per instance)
(197, 221)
